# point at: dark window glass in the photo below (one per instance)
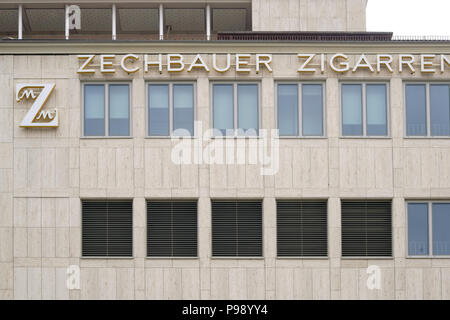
(44, 21)
(376, 100)
(237, 228)
(352, 110)
(229, 19)
(366, 228)
(183, 109)
(9, 22)
(119, 110)
(175, 20)
(172, 228)
(223, 105)
(247, 104)
(107, 228)
(441, 229)
(418, 229)
(312, 109)
(158, 102)
(416, 110)
(94, 110)
(302, 228)
(137, 20)
(288, 109)
(440, 109)
(96, 21)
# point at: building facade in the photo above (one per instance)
(95, 204)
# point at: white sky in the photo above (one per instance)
(409, 17)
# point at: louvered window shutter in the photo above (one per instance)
(107, 228)
(302, 228)
(237, 228)
(172, 228)
(366, 228)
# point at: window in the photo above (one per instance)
(172, 228)
(366, 228)
(237, 228)
(230, 19)
(175, 20)
(8, 22)
(107, 228)
(171, 109)
(136, 20)
(364, 109)
(107, 109)
(304, 116)
(44, 21)
(428, 228)
(302, 228)
(235, 108)
(96, 21)
(427, 109)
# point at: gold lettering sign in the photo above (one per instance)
(308, 63)
(36, 117)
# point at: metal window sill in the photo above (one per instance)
(237, 258)
(428, 257)
(236, 137)
(107, 258)
(367, 258)
(365, 137)
(303, 137)
(426, 137)
(173, 258)
(103, 137)
(201, 137)
(169, 137)
(302, 258)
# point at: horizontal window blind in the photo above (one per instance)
(107, 228)
(366, 228)
(172, 228)
(237, 228)
(302, 228)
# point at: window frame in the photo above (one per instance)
(15, 30)
(262, 257)
(235, 107)
(183, 7)
(132, 256)
(326, 200)
(247, 16)
(364, 109)
(427, 108)
(300, 108)
(98, 6)
(106, 109)
(26, 17)
(429, 204)
(171, 110)
(141, 6)
(392, 256)
(197, 257)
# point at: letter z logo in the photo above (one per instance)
(36, 117)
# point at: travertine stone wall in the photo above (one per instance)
(309, 15)
(6, 179)
(45, 172)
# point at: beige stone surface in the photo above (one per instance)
(44, 173)
(309, 15)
